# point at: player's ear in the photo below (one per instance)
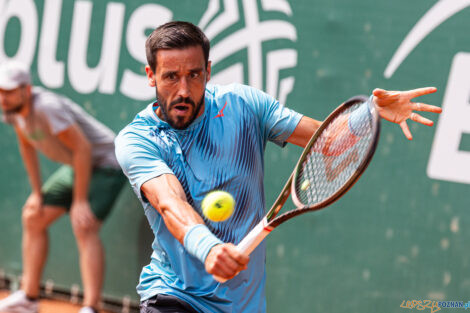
(150, 76)
(208, 70)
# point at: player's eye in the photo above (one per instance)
(170, 76)
(195, 74)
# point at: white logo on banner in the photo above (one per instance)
(104, 77)
(446, 161)
(251, 37)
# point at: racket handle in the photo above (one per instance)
(254, 237)
(251, 241)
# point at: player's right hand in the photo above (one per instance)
(224, 261)
(82, 217)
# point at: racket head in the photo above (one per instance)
(331, 164)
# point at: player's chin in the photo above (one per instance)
(181, 122)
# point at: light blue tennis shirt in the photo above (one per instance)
(222, 149)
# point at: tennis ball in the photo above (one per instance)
(218, 205)
(305, 185)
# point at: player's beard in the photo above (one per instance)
(179, 122)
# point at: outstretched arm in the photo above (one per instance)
(166, 194)
(394, 106)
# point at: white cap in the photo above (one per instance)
(13, 74)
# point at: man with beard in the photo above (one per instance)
(197, 138)
(86, 185)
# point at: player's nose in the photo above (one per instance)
(183, 88)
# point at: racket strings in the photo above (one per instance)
(334, 157)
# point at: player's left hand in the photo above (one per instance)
(397, 107)
(81, 215)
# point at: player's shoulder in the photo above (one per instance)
(45, 100)
(142, 127)
(244, 96)
(233, 90)
(138, 125)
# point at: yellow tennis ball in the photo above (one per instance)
(218, 205)
(305, 185)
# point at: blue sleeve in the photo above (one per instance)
(277, 121)
(140, 160)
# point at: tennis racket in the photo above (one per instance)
(332, 161)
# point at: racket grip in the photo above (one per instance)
(251, 241)
(254, 237)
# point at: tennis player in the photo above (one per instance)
(86, 185)
(196, 138)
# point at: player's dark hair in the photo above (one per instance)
(175, 35)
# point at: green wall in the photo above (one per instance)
(399, 234)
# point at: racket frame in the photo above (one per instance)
(271, 220)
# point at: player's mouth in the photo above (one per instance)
(181, 109)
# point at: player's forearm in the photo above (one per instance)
(82, 167)
(31, 163)
(179, 217)
(188, 228)
(167, 196)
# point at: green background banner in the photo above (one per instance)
(399, 234)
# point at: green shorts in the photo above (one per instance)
(104, 188)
